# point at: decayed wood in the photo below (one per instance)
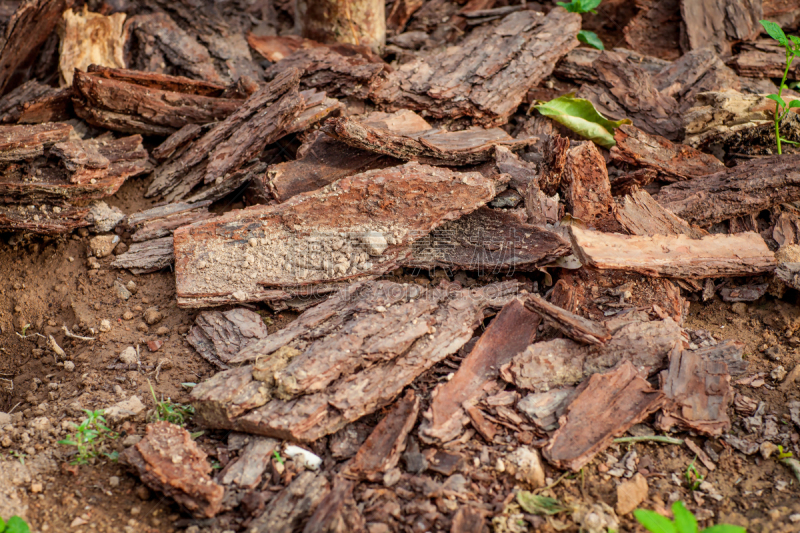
(577, 65)
(218, 336)
(361, 22)
(639, 214)
(147, 256)
(554, 160)
(358, 227)
(521, 173)
(749, 187)
(162, 220)
(560, 362)
(655, 29)
(674, 162)
(337, 512)
(494, 240)
(18, 143)
(294, 505)
(186, 481)
(695, 72)
(90, 39)
(35, 103)
(545, 408)
(29, 27)
(607, 405)
(508, 334)
(679, 256)
(382, 449)
(246, 471)
(714, 23)
(576, 327)
(763, 59)
(488, 74)
(698, 394)
(630, 182)
(233, 399)
(587, 190)
(44, 220)
(627, 91)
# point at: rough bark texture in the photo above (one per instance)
(578, 64)
(218, 336)
(606, 406)
(147, 256)
(360, 22)
(655, 30)
(678, 256)
(639, 214)
(713, 23)
(508, 334)
(337, 512)
(400, 13)
(90, 39)
(357, 227)
(186, 481)
(246, 471)
(576, 327)
(750, 187)
(587, 190)
(46, 220)
(763, 59)
(294, 505)
(694, 73)
(161, 221)
(489, 73)
(35, 103)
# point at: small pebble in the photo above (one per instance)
(113, 481)
(105, 325)
(128, 356)
(69, 366)
(36, 488)
(141, 326)
(120, 291)
(152, 316)
(163, 330)
(127, 315)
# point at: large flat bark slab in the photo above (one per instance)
(45, 220)
(694, 73)
(763, 59)
(357, 227)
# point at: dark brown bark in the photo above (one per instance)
(587, 190)
(401, 12)
(337, 512)
(147, 256)
(578, 64)
(630, 182)
(294, 505)
(218, 336)
(360, 22)
(695, 72)
(655, 30)
(35, 103)
(576, 327)
(714, 23)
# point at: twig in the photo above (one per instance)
(71, 335)
(12, 409)
(649, 438)
(553, 484)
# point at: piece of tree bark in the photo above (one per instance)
(337, 512)
(578, 64)
(509, 334)
(587, 189)
(694, 73)
(655, 30)
(762, 59)
(698, 393)
(162, 220)
(18, 143)
(606, 406)
(786, 229)
(545, 408)
(750, 187)
(382, 449)
(577, 328)
(35, 103)
(744, 293)
(360, 22)
(294, 505)
(233, 399)
(46, 220)
(639, 214)
(714, 23)
(521, 173)
(632, 181)
(357, 227)
(187, 480)
(400, 14)
(488, 74)
(677, 256)
(148, 256)
(274, 48)
(90, 39)
(218, 336)
(468, 520)
(246, 471)
(561, 362)
(627, 91)
(29, 27)
(674, 162)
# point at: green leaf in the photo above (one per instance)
(775, 32)
(794, 103)
(796, 40)
(68, 442)
(724, 528)
(776, 98)
(654, 522)
(684, 519)
(534, 504)
(2, 524)
(590, 38)
(17, 525)
(590, 5)
(580, 116)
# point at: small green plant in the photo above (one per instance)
(277, 456)
(791, 44)
(537, 504)
(165, 410)
(685, 522)
(585, 6)
(693, 477)
(89, 438)
(15, 524)
(18, 455)
(782, 454)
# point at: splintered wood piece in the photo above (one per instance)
(750, 187)
(625, 90)
(246, 471)
(586, 185)
(162, 220)
(275, 48)
(698, 393)
(186, 481)
(90, 39)
(35, 103)
(628, 183)
(18, 143)
(744, 293)
(487, 75)
(639, 214)
(30, 26)
(560, 362)
(44, 220)
(316, 107)
(606, 406)
(217, 336)
(576, 327)
(554, 161)
(358, 227)
(434, 147)
(509, 334)
(694, 73)
(678, 256)
(287, 511)
(231, 399)
(522, 173)
(382, 449)
(147, 256)
(764, 58)
(488, 240)
(337, 512)
(714, 24)
(674, 162)
(655, 29)
(361, 22)
(232, 183)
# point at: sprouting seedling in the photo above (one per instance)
(791, 44)
(167, 411)
(693, 477)
(585, 6)
(782, 454)
(277, 456)
(15, 524)
(685, 522)
(89, 437)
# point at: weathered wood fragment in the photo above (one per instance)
(717, 22)
(18, 143)
(162, 220)
(674, 162)
(749, 187)
(357, 227)
(186, 481)
(294, 505)
(587, 189)
(468, 520)
(655, 29)
(274, 48)
(44, 220)
(147, 256)
(576, 327)
(521, 173)
(639, 214)
(695, 72)
(605, 407)
(90, 39)
(488, 74)
(400, 13)
(337, 512)
(217, 336)
(382, 449)
(577, 65)
(678, 256)
(730, 352)
(561, 362)
(360, 22)
(698, 394)
(35, 103)
(545, 408)
(509, 333)
(246, 471)
(762, 59)
(744, 293)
